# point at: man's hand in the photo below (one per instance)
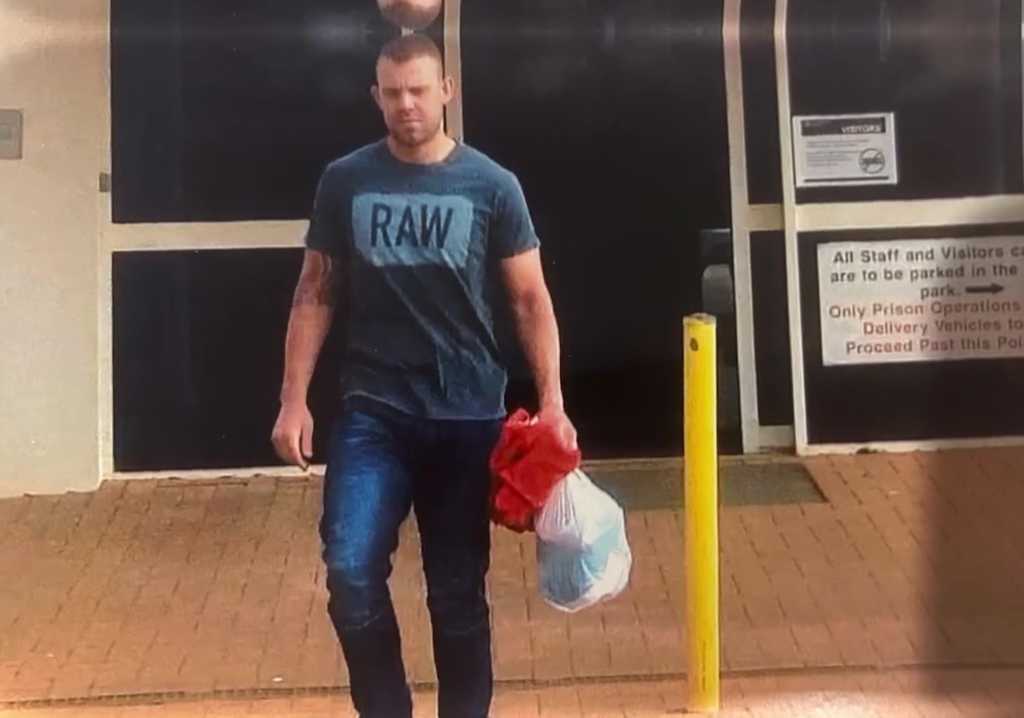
(293, 434)
(559, 421)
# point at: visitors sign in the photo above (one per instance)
(845, 150)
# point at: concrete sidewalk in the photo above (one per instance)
(151, 587)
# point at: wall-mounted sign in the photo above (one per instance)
(10, 134)
(845, 150)
(921, 300)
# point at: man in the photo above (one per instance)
(423, 230)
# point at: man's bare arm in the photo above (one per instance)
(312, 311)
(538, 332)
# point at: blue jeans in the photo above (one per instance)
(381, 464)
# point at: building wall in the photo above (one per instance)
(53, 65)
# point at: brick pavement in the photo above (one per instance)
(149, 587)
(843, 694)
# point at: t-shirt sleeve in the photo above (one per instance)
(327, 228)
(513, 231)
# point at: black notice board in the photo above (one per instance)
(908, 401)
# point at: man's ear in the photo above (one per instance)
(447, 89)
(375, 93)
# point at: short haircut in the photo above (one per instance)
(411, 47)
(410, 15)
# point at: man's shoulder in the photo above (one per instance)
(355, 160)
(486, 164)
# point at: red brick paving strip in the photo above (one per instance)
(835, 694)
(165, 586)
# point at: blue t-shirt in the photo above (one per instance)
(421, 246)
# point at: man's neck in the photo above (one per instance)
(434, 150)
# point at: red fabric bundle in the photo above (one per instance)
(526, 463)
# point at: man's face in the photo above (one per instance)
(412, 96)
(413, 14)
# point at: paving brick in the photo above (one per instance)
(854, 642)
(779, 647)
(639, 699)
(517, 704)
(816, 645)
(600, 701)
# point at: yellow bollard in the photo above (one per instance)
(701, 514)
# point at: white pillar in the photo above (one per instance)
(53, 67)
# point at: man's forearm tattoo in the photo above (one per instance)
(317, 283)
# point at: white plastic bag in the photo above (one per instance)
(583, 555)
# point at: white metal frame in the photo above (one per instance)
(168, 236)
(746, 219)
(789, 213)
(453, 66)
(742, 269)
(764, 217)
(995, 209)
